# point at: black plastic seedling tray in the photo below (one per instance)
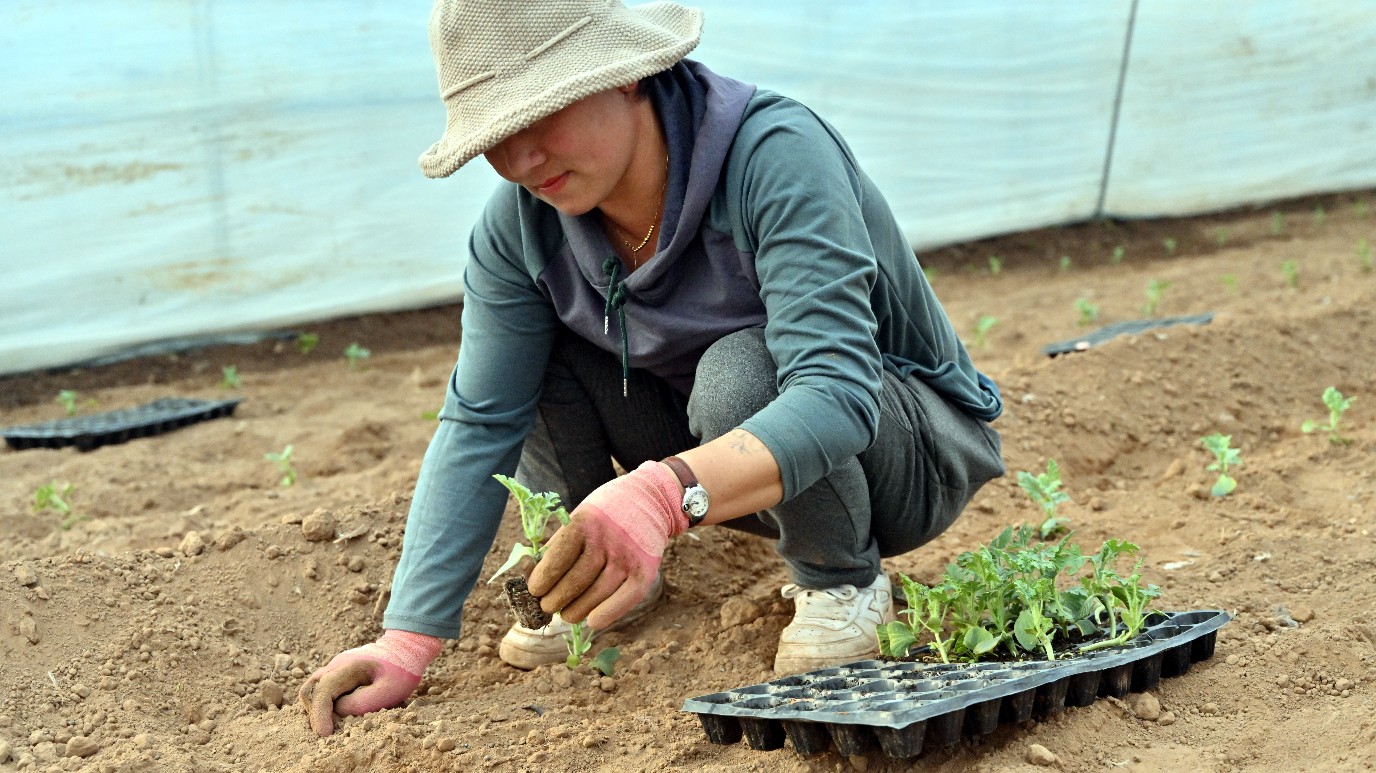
(1131, 327)
(111, 427)
(904, 707)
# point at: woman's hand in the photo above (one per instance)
(365, 679)
(605, 560)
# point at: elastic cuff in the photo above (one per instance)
(413, 652)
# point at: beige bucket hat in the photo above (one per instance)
(505, 64)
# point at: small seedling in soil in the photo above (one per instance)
(605, 661)
(55, 496)
(1065, 263)
(1089, 311)
(1277, 223)
(1118, 253)
(229, 377)
(1045, 491)
(1156, 290)
(1319, 215)
(995, 265)
(536, 510)
(982, 327)
(1225, 457)
(1229, 282)
(306, 342)
(1360, 208)
(1364, 255)
(284, 466)
(1291, 269)
(1221, 236)
(356, 354)
(1170, 245)
(1337, 406)
(71, 401)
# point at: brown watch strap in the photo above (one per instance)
(683, 471)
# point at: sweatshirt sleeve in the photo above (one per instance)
(802, 210)
(489, 406)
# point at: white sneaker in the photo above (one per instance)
(528, 648)
(833, 625)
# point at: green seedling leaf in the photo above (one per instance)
(229, 377)
(518, 551)
(579, 641)
(995, 265)
(895, 639)
(71, 401)
(1044, 490)
(1291, 270)
(1118, 253)
(284, 466)
(306, 342)
(431, 415)
(1229, 282)
(1364, 255)
(1225, 457)
(1156, 290)
(1337, 405)
(1088, 310)
(982, 327)
(1065, 263)
(1169, 244)
(1319, 215)
(356, 354)
(1277, 223)
(605, 661)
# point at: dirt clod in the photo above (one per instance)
(1145, 706)
(25, 575)
(192, 544)
(1040, 755)
(319, 526)
(81, 746)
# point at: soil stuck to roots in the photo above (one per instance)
(524, 606)
(170, 626)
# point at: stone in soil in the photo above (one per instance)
(1145, 706)
(1040, 755)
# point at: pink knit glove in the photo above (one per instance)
(372, 677)
(604, 562)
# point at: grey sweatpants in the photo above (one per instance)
(928, 460)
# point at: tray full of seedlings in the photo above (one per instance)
(1014, 631)
(110, 427)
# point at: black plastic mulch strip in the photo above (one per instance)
(1132, 327)
(112, 427)
(904, 707)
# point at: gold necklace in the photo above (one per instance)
(659, 210)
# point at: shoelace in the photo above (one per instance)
(616, 299)
(810, 598)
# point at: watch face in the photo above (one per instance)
(695, 502)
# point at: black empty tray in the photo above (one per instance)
(111, 427)
(1131, 327)
(902, 706)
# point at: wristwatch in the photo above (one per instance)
(695, 499)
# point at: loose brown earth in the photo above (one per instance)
(162, 632)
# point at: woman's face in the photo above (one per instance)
(575, 158)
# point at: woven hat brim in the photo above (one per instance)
(458, 147)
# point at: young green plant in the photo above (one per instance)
(1118, 253)
(1065, 263)
(1170, 245)
(229, 377)
(306, 342)
(356, 354)
(1291, 270)
(1277, 223)
(1156, 290)
(1364, 255)
(1337, 406)
(284, 466)
(1045, 491)
(982, 327)
(995, 265)
(57, 498)
(71, 401)
(1088, 310)
(1225, 458)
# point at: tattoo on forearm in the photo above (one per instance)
(740, 443)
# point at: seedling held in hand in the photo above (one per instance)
(229, 377)
(1045, 491)
(1337, 406)
(356, 354)
(283, 461)
(306, 342)
(982, 327)
(1225, 457)
(536, 510)
(1156, 290)
(1089, 311)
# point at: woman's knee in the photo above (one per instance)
(735, 378)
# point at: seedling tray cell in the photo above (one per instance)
(112, 427)
(905, 707)
(1110, 332)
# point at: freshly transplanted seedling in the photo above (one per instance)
(1156, 290)
(982, 327)
(1022, 597)
(1118, 253)
(284, 466)
(1229, 282)
(1364, 255)
(1225, 457)
(1320, 215)
(71, 401)
(1337, 406)
(56, 497)
(1065, 263)
(1045, 490)
(306, 342)
(1170, 244)
(536, 511)
(1291, 270)
(1277, 223)
(995, 265)
(229, 377)
(1089, 311)
(356, 354)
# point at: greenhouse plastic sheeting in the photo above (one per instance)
(173, 170)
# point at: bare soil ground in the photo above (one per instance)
(169, 628)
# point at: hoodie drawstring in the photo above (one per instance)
(616, 299)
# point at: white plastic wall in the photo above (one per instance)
(177, 168)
